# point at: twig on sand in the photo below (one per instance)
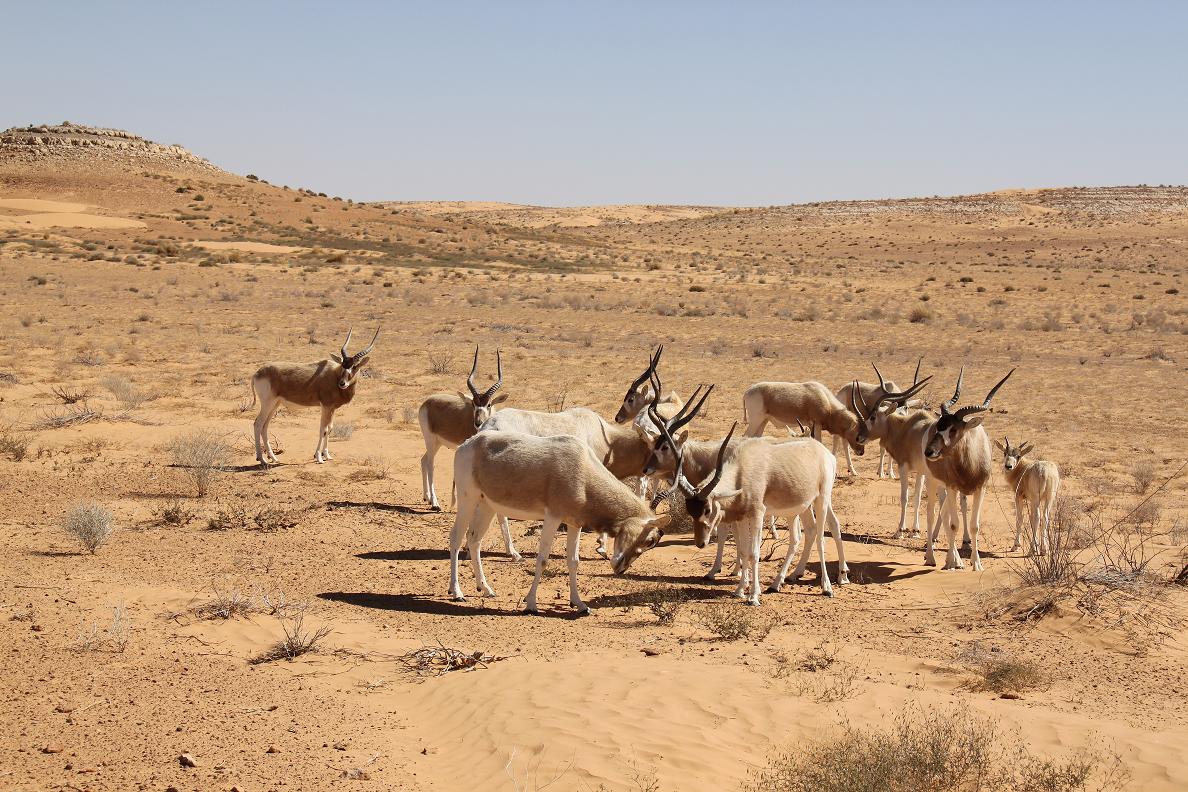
(441, 659)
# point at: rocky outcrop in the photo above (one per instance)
(93, 145)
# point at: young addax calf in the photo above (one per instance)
(1036, 484)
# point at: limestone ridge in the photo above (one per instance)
(85, 145)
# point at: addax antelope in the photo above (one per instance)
(448, 419)
(1036, 484)
(958, 454)
(329, 383)
(554, 479)
(793, 478)
(642, 392)
(787, 403)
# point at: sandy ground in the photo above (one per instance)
(1084, 300)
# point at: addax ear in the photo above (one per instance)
(1000, 446)
(1026, 449)
(727, 495)
(362, 363)
(336, 358)
(500, 399)
(683, 437)
(973, 422)
(465, 397)
(659, 521)
(643, 433)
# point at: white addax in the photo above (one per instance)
(957, 451)
(554, 479)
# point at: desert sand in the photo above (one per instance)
(158, 328)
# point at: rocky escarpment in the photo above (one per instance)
(85, 145)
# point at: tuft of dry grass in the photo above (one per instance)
(90, 523)
(200, 455)
(228, 518)
(112, 638)
(1003, 672)
(126, 394)
(295, 641)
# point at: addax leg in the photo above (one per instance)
(547, 532)
(573, 539)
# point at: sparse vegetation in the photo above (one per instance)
(944, 751)
(112, 638)
(441, 362)
(173, 513)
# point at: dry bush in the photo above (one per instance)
(68, 396)
(228, 518)
(15, 445)
(72, 415)
(732, 620)
(295, 642)
(342, 430)
(819, 658)
(664, 602)
(272, 519)
(201, 454)
(90, 523)
(441, 362)
(174, 513)
(1003, 672)
(125, 393)
(410, 414)
(934, 751)
(1143, 473)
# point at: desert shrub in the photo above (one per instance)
(174, 513)
(441, 362)
(14, 444)
(1012, 675)
(200, 455)
(665, 602)
(228, 518)
(1057, 566)
(1143, 473)
(90, 523)
(273, 519)
(295, 641)
(920, 315)
(342, 430)
(732, 620)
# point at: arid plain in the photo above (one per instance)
(149, 285)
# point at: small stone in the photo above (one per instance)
(51, 749)
(340, 745)
(356, 774)
(272, 749)
(1011, 696)
(187, 761)
(649, 652)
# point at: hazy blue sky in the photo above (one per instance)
(565, 102)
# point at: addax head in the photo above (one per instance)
(638, 394)
(1012, 455)
(951, 425)
(636, 536)
(871, 418)
(484, 403)
(706, 506)
(352, 364)
(668, 439)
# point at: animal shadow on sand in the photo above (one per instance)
(439, 606)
